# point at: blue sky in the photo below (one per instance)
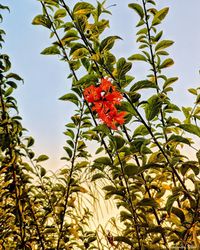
(46, 77)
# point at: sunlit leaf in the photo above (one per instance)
(148, 202)
(103, 160)
(123, 67)
(52, 50)
(108, 43)
(138, 9)
(152, 108)
(42, 20)
(190, 128)
(42, 158)
(163, 44)
(70, 97)
(143, 85)
(159, 16)
(137, 57)
(167, 63)
(60, 13)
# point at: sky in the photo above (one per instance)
(45, 77)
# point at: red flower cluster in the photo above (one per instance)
(104, 98)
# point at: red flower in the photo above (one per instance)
(104, 98)
(113, 118)
(92, 94)
(109, 93)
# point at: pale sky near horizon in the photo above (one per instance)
(45, 77)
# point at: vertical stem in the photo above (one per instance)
(131, 203)
(147, 190)
(36, 224)
(153, 63)
(156, 81)
(154, 210)
(69, 179)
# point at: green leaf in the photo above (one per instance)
(159, 16)
(198, 156)
(70, 36)
(82, 8)
(119, 141)
(158, 36)
(51, 2)
(178, 138)
(152, 107)
(193, 91)
(70, 133)
(190, 128)
(76, 46)
(169, 81)
(109, 188)
(87, 80)
(123, 239)
(193, 165)
(97, 176)
(86, 63)
(137, 57)
(42, 171)
(4, 7)
(151, 1)
(103, 160)
(70, 143)
(70, 97)
(30, 142)
(28, 167)
(99, 150)
(126, 106)
(141, 130)
(12, 84)
(6, 62)
(142, 85)
(179, 213)
(167, 63)
(69, 151)
(80, 53)
(150, 166)
(138, 9)
(131, 169)
(108, 43)
(42, 158)
(142, 31)
(134, 96)
(123, 67)
(124, 215)
(52, 50)
(148, 202)
(163, 44)
(60, 13)
(81, 145)
(170, 201)
(42, 20)
(102, 128)
(8, 91)
(14, 76)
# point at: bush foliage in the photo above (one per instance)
(140, 164)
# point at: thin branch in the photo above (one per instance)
(70, 178)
